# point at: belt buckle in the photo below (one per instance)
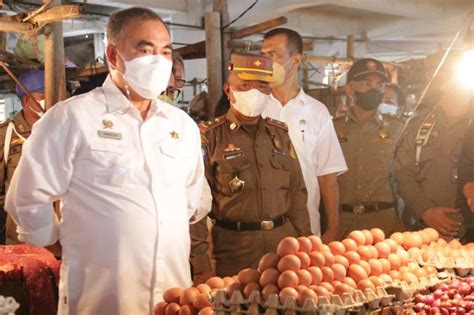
(359, 209)
(267, 225)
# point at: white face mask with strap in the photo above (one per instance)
(250, 103)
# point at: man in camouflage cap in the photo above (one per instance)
(259, 195)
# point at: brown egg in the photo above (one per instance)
(172, 295)
(160, 308)
(201, 301)
(339, 259)
(288, 246)
(172, 309)
(395, 274)
(269, 276)
(409, 277)
(393, 245)
(305, 295)
(364, 252)
(421, 273)
(305, 244)
(350, 282)
(316, 275)
(269, 290)
(327, 286)
(328, 258)
(364, 264)
(216, 283)
(204, 288)
(335, 283)
(317, 259)
(248, 275)
(383, 249)
(377, 234)
(206, 311)
(357, 272)
(349, 244)
(228, 281)
(304, 277)
(385, 278)
(320, 291)
(287, 293)
(366, 284)
(251, 287)
(413, 240)
(425, 236)
(369, 239)
(234, 286)
(342, 288)
(300, 288)
(289, 262)
(412, 266)
(325, 248)
(404, 257)
(304, 259)
(398, 237)
(386, 267)
(337, 248)
(376, 280)
(395, 261)
(376, 267)
(187, 310)
(339, 271)
(317, 244)
(328, 274)
(434, 235)
(352, 257)
(358, 237)
(287, 278)
(373, 251)
(188, 296)
(269, 260)
(455, 244)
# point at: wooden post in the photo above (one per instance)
(350, 47)
(55, 76)
(212, 21)
(222, 7)
(3, 37)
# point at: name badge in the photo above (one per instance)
(233, 155)
(109, 134)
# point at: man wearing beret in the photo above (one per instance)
(368, 141)
(259, 195)
(12, 135)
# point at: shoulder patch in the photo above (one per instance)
(211, 124)
(276, 123)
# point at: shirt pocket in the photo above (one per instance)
(428, 157)
(109, 165)
(282, 168)
(230, 171)
(176, 163)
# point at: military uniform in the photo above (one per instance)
(259, 195)
(466, 174)
(11, 147)
(366, 197)
(426, 162)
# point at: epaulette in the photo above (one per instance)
(211, 124)
(276, 123)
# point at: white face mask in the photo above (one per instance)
(41, 103)
(148, 75)
(388, 109)
(250, 103)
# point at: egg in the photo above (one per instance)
(404, 269)
(269, 276)
(409, 277)
(317, 244)
(304, 259)
(206, 311)
(455, 244)
(235, 286)
(393, 245)
(376, 280)
(350, 282)
(376, 267)
(421, 273)
(352, 257)
(364, 264)
(373, 251)
(269, 260)
(172, 295)
(425, 236)
(328, 259)
(215, 283)
(327, 286)
(339, 259)
(316, 275)
(365, 284)
(337, 248)
(441, 241)
(335, 283)
(339, 271)
(201, 301)
(269, 290)
(431, 270)
(383, 249)
(300, 288)
(398, 237)
(317, 259)
(357, 272)
(377, 235)
(328, 274)
(434, 235)
(228, 281)
(320, 291)
(369, 239)
(304, 277)
(306, 294)
(358, 237)
(386, 267)
(172, 309)
(287, 278)
(251, 287)
(188, 296)
(305, 244)
(364, 252)
(287, 294)
(342, 288)
(385, 278)
(160, 308)
(404, 257)
(288, 246)
(412, 266)
(249, 275)
(395, 274)
(325, 248)
(395, 261)
(187, 310)
(203, 288)
(413, 240)
(349, 244)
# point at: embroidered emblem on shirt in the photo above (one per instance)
(236, 184)
(174, 135)
(233, 126)
(231, 148)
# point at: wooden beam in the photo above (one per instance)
(350, 46)
(16, 27)
(258, 28)
(214, 59)
(56, 14)
(257, 45)
(193, 51)
(86, 72)
(328, 59)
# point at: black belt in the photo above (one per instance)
(250, 226)
(364, 208)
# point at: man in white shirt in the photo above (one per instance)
(128, 168)
(311, 130)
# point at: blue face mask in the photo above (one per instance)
(388, 109)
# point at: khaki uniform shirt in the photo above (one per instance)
(466, 174)
(264, 159)
(434, 182)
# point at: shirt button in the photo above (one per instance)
(121, 170)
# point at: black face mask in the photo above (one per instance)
(369, 100)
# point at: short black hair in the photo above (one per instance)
(120, 19)
(294, 40)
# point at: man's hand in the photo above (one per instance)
(330, 235)
(468, 191)
(202, 277)
(438, 219)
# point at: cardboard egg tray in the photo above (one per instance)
(461, 266)
(359, 303)
(8, 305)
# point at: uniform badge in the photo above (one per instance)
(236, 184)
(174, 135)
(342, 137)
(107, 124)
(231, 148)
(21, 128)
(109, 134)
(292, 152)
(276, 143)
(233, 126)
(233, 155)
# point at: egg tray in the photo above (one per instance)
(442, 262)
(359, 302)
(404, 291)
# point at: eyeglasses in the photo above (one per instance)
(179, 83)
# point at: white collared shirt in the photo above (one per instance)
(129, 187)
(312, 133)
